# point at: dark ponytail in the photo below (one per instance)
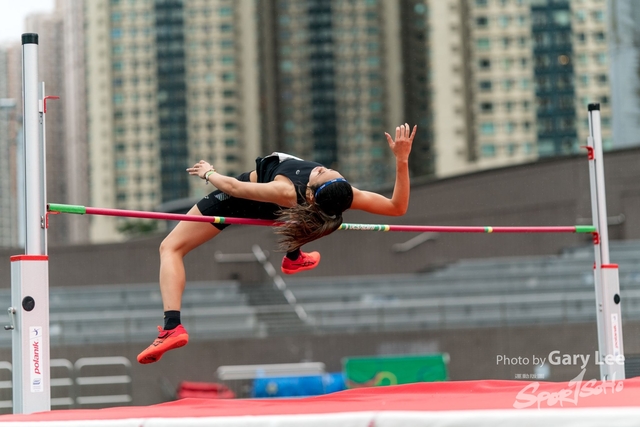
(307, 222)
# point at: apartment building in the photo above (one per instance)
(533, 67)
(341, 73)
(169, 83)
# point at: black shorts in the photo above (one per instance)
(218, 203)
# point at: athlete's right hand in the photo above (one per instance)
(401, 147)
(200, 169)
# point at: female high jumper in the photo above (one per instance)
(305, 198)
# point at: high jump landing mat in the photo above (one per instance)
(453, 403)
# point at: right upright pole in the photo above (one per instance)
(610, 355)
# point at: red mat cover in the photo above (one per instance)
(443, 396)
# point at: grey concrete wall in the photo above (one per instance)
(554, 192)
(473, 353)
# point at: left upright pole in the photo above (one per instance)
(30, 272)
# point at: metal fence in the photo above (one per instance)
(90, 382)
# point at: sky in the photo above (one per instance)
(12, 14)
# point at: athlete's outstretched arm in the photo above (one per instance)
(279, 191)
(399, 202)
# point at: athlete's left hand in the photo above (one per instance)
(401, 147)
(200, 169)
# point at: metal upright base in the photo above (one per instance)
(30, 335)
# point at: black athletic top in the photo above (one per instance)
(297, 170)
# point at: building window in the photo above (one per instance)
(485, 85)
(598, 15)
(488, 150)
(539, 19)
(584, 79)
(506, 63)
(566, 123)
(483, 43)
(545, 125)
(542, 61)
(562, 17)
(487, 128)
(504, 21)
(225, 11)
(582, 59)
(286, 66)
(482, 21)
(484, 64)
(546, 147)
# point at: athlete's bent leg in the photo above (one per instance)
(182, 240)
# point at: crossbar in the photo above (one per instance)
(82, 210)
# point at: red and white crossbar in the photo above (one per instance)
(82, 210)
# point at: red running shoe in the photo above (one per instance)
(306, 261)
(167, 340)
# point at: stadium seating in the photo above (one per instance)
(469, 293)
